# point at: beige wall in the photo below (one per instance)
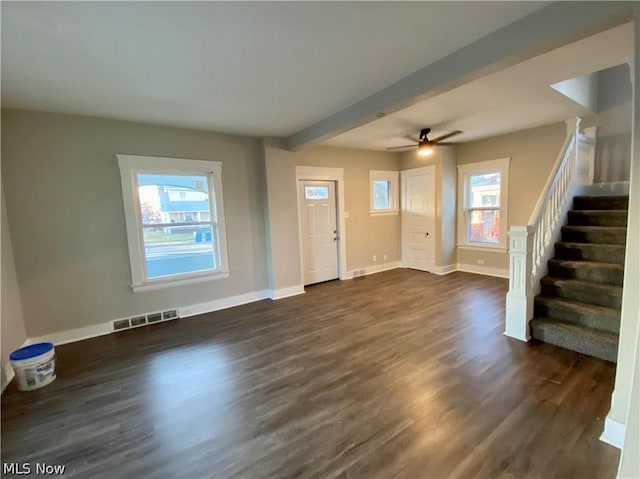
(281, 216)
(533, 153)
(444, 159)
(12, 331)
(64, 200)
(366, 235)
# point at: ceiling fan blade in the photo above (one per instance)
(401, 147)
(444, 137)
(411, 138)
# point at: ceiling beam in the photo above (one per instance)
(541, 31)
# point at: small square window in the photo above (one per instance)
(384, 192)
(381, 194)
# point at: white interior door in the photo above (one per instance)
(418, 218)
(319, 230)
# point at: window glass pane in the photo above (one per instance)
(484, 190)
(316, 192)
(173, 198)
(484, 226)
(179, 250)
(381, 190)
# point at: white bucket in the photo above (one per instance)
(34, 365)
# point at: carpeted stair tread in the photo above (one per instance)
(598, 217)
(577, 312)
(578, 307)
(600, 294)
(577, 338)
(592, 271)
(613, 253)
(595, 234)
(601, 203)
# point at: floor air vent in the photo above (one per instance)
(144, 319)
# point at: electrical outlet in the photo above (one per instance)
(374, 258)
(480, 261)
(384, 257)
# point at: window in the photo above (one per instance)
(316, 192)
(482, 200)
(175, 221)
(384, 192)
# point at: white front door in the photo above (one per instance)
(418, 218)
(317, 212)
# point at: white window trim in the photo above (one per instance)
(464, 172)
(394, 194)
(132, 164)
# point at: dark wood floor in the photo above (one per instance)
(397, 375)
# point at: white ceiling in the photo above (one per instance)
(259, 68)
(513, 99)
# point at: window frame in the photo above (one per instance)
(392, 177)
(465, 172)
(130, 166)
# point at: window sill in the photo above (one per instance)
(384, 213)
(480, 247)
(172, 283)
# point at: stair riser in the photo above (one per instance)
(587, 273)
(587, 219)
(589, 320)
(600, 203)
(591, 252)
(606, 351)
(582, 294)
(594, 237)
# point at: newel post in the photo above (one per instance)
(592, 134)
(519, 309)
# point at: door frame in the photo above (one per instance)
(403, 204)
(321, 173)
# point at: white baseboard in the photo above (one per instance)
(224, 303)
(613, 433)
(376, 268)
(73, 335)
(485, 270)
(9, 374)
(450, 268)
(286, 292)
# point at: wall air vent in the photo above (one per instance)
(121, 324)
(171, 314)
(144, 319)
(138, 321)
(154, 318)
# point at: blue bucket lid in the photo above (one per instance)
(30, 351)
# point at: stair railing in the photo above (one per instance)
(532, 245)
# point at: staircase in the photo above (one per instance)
(579, 304)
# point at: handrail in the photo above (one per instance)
(531, 246)
(552, 176)
(551, 205)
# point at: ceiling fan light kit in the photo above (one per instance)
(425, 149)
(424, 144)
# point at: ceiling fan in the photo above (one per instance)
(424, 144)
